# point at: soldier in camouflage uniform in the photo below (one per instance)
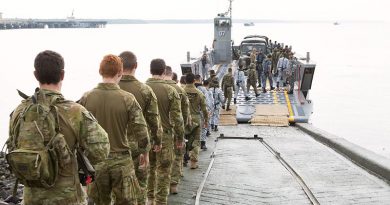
(118, 112)
(77, 125)
(197, 105)
(253, 56)
(177, 167)
(227, 88)
(252, 79)
(172, 122)
(213, 78)
(148, 102)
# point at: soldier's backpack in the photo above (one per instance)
(38, 148)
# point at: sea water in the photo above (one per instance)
(350, 92)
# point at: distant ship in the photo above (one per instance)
(336, 23)
(249, 24)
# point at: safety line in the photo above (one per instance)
(291, 117)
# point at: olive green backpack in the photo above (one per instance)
(38, 147)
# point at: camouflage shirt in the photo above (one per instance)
(148, 102)
(79, 128)
(197, 101)
(116, 110)
(227, 81)
(169, 107)
(185, 110)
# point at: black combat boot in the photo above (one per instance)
(212, 127)
(216, 128)
(247, 98)
(228, 108)
(235, 101)
(264, 90)
(223, 106)
(257, 95)
(272, 88)
(208, 133)
(203, 145)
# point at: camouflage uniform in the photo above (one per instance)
(197, 105)
(209, 106)
(177, 167)
(218, 99)
(172, 122)
(213, 81)
(118, 112)
(253, 56)
(79, 128)
(148, 102)
(252, 79)
(228, 88)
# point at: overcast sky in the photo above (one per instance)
(200, 9)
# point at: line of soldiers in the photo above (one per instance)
(133, 133)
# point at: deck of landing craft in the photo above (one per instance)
(245, 172)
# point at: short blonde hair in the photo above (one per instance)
(110, 66)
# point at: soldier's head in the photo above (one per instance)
(183, 80)
(206, 83)
(49, 67)
(229, 69)
(198, 79)
(111, 67)
(157, 67)
(212, 72)
(129, 61)
(269, 56)
(190, 78)
(174, 77)
(168, 73)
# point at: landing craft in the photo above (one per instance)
(276, 163)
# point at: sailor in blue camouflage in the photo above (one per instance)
(218, 102)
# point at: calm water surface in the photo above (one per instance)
(351, 89)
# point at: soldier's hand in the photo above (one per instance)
(157, 148)
(179, 145)
(143, 161)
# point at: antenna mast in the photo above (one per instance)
(230, 8)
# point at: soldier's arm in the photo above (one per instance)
(176, 116)
(138, 124)
(223, 82)
(185, 108)
(93, 139)
(153, 119)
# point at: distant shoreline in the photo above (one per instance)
(192, 21)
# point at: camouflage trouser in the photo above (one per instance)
(194, 140)
(142, 177)
(215, 116)
(115, 176)
(152, 175)
(67, 190)
(253, 84)
(177, 167)
(160, 186)
(228, 93)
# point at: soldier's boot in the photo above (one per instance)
(208, 133)
(228, 108)
(216, 128)
(264, 90)
(223, 106)
(194, 164)
(247, 98)
(277, 86)
(257, 94)
(212, 126)
(203, 145)
(173, 189)
(235, 101)
(272, 88)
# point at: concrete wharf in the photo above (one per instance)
(244, 171)
(6, 24)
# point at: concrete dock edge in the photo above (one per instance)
(369, 160)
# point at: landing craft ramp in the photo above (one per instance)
(296, 105)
